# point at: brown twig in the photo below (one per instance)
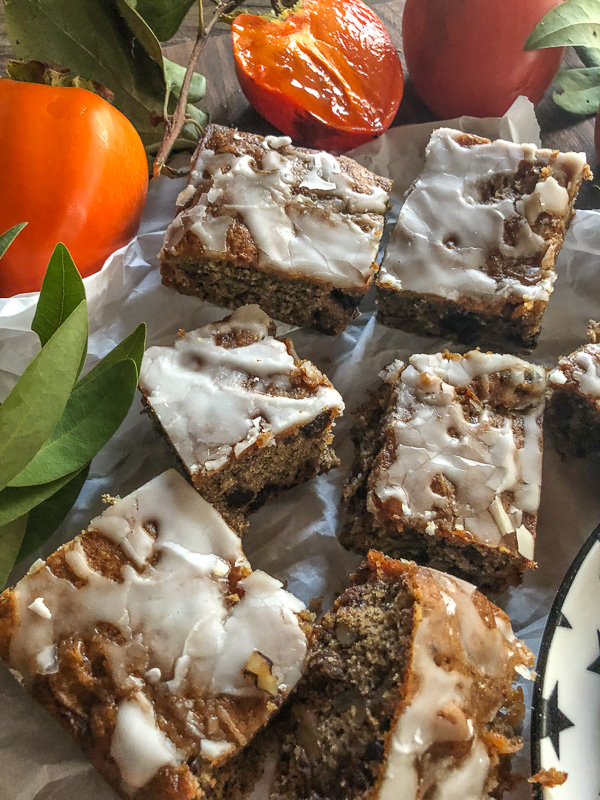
(178, 118)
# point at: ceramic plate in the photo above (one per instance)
(566, 698)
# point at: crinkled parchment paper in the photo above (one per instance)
(293, 537)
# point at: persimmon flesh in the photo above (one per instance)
(328, 75)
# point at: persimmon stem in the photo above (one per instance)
(175, 122)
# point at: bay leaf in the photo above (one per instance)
(11, 537)
(140, 29)
(580, 90)
(62, 291)
(573, 22)
(93, 414)
(33, 408)
(132, 347)
(164, 16)
(9, 236)
(589, 55)
(173, 74)
(44, 519)
(17, 501)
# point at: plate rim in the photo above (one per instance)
(537, 714)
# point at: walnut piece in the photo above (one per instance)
(262, 668)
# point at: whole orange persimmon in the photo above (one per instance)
(73, 168)
(468, 57)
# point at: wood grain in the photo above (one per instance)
(227, 105)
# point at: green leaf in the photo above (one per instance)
(589, 55)
(132, 347)
(94, 41)
(93, 414)
(175, 74)
(574, 22)
(141, 30)
(580, 90)
(31, 411)
(62, 291)
(8, 238)
(11, 536)
(163, 16)
(44, 519)
(19, 500)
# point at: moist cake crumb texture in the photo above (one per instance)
(153, 642)
(241, 410)
(449, 465)
(472, 255)
(408, 693)
(258, 210)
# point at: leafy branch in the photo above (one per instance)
(574, 23)
(53, 422)
(177, 120)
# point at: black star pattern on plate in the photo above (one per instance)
(553, 720)
(595, 665)
(563, 622)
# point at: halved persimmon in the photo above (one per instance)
(326, 73)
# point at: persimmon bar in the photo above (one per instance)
(153, 642)
(245, 415)
(295, 231)
(472, 256)
(409, 693)
(449, 466)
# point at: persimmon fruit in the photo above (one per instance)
(467, 56)
(74, 168)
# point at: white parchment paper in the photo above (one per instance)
(293, 537)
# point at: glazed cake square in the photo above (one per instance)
(473, 252)
(408, 693)
(246, 416)
(295, 231)
(449, 465)
(153, 643)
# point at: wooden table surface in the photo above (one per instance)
(227, 105)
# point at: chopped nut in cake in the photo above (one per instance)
(449, 465)
(244, 414)
(472, 254)
(261, 221)
(408, 694)
(140, 636)
(573, 416)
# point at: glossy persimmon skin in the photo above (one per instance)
(328, 76)
(74, 168)
(467, 56)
